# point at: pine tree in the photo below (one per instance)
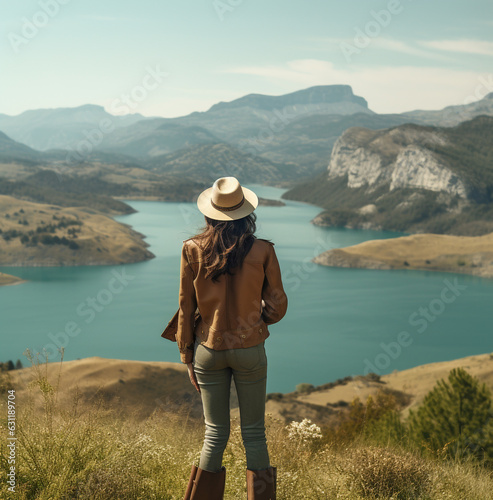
(388, 429)
(10, 365)
(455, 417)
(18, 364)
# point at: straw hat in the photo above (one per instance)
(227, 200)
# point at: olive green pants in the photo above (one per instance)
(214, 369)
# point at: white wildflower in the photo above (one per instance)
(304, 431)
(143, 439)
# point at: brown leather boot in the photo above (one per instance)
(208, 485)
(190, 482)
(261, 484)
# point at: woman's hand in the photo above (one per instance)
(193, 378)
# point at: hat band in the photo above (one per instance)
(228, 209)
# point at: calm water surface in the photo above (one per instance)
(339, 321)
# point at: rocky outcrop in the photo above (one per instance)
(401, 157)
(361, 165)
(417, 167)
(408, 178)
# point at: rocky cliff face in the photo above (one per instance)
(416, 167)
(402, 158)
(409, 178)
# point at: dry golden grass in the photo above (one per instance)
(381, 472)
(133, 388)
(91, 451)
(102, 240)
(434, 252)
(144, 385)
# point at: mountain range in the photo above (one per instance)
(64, 128)
(453, 115)
(296, 131)
(405, 172)
(45, 129)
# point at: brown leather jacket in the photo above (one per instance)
(231, 312)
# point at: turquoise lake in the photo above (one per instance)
(339, 322)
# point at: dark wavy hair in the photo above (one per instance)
(225, 244)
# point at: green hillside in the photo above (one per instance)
(308, 140)
(209, 161)
(165, 138)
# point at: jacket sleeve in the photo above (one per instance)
(276, 301)
(186, 312)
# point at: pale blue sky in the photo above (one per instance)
(419, 54)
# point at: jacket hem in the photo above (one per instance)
(231, 339)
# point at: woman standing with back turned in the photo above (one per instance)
(234, 280)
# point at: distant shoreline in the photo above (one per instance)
(262, 201)
(9, 279)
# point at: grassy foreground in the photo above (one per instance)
(88, 452)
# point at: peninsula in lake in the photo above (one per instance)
(431, 252)
(8, 279)
(38, 234)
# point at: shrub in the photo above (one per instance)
(378, 472)
(372, 377)
(47, 239)
(304, 387)
(360, 418)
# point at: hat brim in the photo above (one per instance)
(248, 206)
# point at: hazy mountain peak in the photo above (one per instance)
(60, 111)
(321, 94)
(454, 114)
(59, 128)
